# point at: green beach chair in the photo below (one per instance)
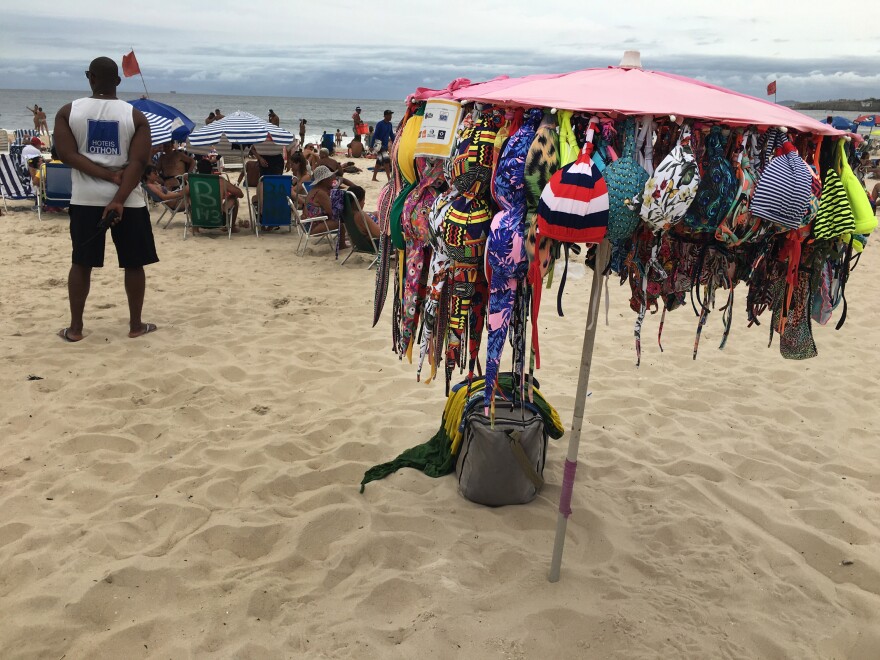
(360, 242)
(205, 205)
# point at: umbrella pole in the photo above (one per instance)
(602, 257)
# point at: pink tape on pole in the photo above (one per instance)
(567, 487)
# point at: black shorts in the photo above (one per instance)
(133, 237)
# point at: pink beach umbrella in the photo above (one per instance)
(634, 91)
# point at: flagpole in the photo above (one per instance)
(143, 82)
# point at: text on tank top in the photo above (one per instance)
(103, 130)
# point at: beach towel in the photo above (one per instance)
(835, 216)
(625, 180)
(670, 191)
(541, 162)
(865, 219)
(717, 189)
(506, 260)
(417, 233)
(465, 229)
(406, 149)
(782, 195)
(739, 226)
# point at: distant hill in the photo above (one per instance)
(842, 105)
(789, 104)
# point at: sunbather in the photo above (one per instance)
(366, 222)
(355, 147)
(174, 163)
(153, 183)
(318, 203)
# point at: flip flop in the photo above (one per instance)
(148, 328)
(64, 333)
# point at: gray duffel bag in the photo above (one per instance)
(502, 465)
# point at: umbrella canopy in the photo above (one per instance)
(160, 129)
(866, 120)
(181, 125)
(240, 128)
(633, 91)
(842, 123)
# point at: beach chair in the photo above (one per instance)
(24, 135)
(153, 201)
(11, 185)
(274, 206)
(4, 140)
(56, 186)
(205, 205)
(360, 242)
(313, 228)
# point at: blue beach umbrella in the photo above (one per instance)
(867, 120)
(841, 123)
(181, 125)
(160, 129)
(240, 128)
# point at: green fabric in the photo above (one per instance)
(435, 457)
(206, 207)
(397, 238)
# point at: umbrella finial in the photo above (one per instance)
(632, 59)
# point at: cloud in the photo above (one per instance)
(275, 48)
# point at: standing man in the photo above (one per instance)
(218, 115)
(302, 133)
(107, 143)
(273, 118)
(381, 142)
(356, 118)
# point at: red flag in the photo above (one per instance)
(130, 65)
(771, 88)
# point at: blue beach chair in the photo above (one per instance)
(56, 186)
(274, 205)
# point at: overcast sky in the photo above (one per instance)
(314, 49)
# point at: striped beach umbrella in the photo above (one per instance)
(240, 128)
(160, 128)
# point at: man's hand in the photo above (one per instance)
(116, 179)
(115, 207)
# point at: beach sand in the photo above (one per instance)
(194, 493)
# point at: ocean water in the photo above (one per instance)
(321, 114)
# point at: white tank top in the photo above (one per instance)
(103, 130)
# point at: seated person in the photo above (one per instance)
(32, 158)
(867, 166)
(366, 222)
(311, 154)
(300, 168)
(318, 203)
(158, 191)
(334, 165)
(269, 163)
(251, 170)
(174, 163)
(874, 195)
(229, 193)
(355, 147)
